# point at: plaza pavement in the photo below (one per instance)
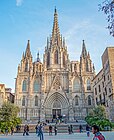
(60, 136)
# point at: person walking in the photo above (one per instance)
(41, 135)
(97, 134)
(80, 128)
(12, 130)
(71, 128)
(55, 129)
(50, 130)
(37, 128)
(6, 131)
(88, 130)
(25, 130)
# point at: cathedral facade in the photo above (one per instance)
(56, 87)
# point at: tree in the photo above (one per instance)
(107, 7)
(8, 116)
(98, 116)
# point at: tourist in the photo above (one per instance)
(97, 134)
(80, 128)
(71, 128)
(88, 130)
(41, 132)
(12, 130)
(27, 132)
(37, 128)
(6, 131)
(50, 130)
(55, 129)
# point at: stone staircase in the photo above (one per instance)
(62, 128)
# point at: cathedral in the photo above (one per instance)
(56, 87)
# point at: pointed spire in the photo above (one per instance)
(38, 59)
(63, 42)
(84, 51)
(28, 53)
(88, 55)
(47, 43)
(55, 32)
(23, 56)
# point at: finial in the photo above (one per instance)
(38, 59)
(55, 10)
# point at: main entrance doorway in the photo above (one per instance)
(56, 113)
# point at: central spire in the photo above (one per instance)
(55, 31)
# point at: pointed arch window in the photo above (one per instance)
(64, 59)
(23, 101)
(87, 66)
(24, 86)
(89, 100)
(76, 85)
(36, 100)
(56, 57)
(26, 66)
(88, 84)
(76, 100)
(36, 86)
(48, 59)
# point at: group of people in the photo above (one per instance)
(51, 129)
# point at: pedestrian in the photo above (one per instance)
(97, 134)
(88, 130)
(12, 130)
(6, 131)
(50, 130)
(37, 128)
(80, 128)
(69, 129)
(25, 130)
(55, 129)
(41, 132)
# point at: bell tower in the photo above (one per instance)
(55, 56)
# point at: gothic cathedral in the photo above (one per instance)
(57, 87)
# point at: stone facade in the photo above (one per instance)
(57, 87)
(2, 94)
(103, 83)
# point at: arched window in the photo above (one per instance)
(56, 57)
(24, 86)
(76, 100)
(87, 66)
(64, 59)
(88, 84)
(76, 85)
(36, 100)
(23, 101)
(89, 100)
(26, 66)
(48, 59)
(36, 86)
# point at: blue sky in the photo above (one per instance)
(21, 20)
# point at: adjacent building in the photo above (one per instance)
(56, 87)
(103, 83)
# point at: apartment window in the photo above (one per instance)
(103, 84)
(96, 100)
(109, 90)
(105, 90)
(108, 77)
(95, 91)
(100, 98)
(99, 88)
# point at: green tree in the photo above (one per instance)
(98, 116)
(8, 116)
(107, 7)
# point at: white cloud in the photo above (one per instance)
(19, 2)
